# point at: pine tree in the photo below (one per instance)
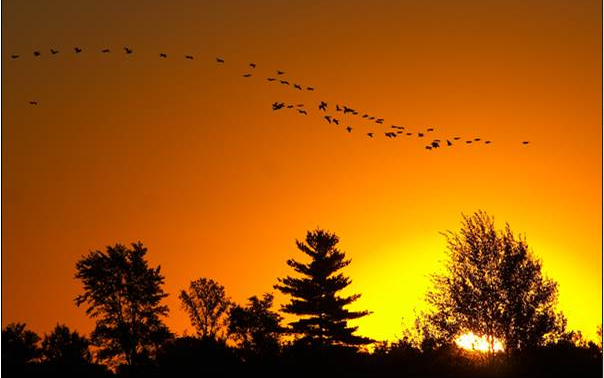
(323, 318)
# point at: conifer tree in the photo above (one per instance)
(323, 320)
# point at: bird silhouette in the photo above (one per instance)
(77, 50)
(104, 51)
(284, 82)
(435, 144)
(253, 65)
(338, 109)
(14, 56)
(163, 55)
(290, 106)
(323, 106)
(525, 142)
(348, 110)
(33, 102)
(310, 88)
(219, 60)
(372, 118)
(379, 120)
(457, 138)
(302, 111)
(300, 105)
(36, 53)
(477, 139)
(420, 135)
(278, 105)
(54, 52)
(428, 147)
(271, 79)
(280, 72)
(328, 118)
(336, 121)
(468, 141)
(487, 142)
(128, 50)
(409, 133)
(348, 128)
(247, 75)
(430, 129)
(449, 143)
(190, 57)
(370, 135)
(365, 115)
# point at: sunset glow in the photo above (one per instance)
(472, 342)
(188, 157)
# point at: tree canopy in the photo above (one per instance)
(493, 286)
(124, 295)
(207, 305)
(323, 320)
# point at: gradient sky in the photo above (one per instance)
(189, 158)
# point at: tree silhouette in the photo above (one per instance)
(323, 318)
(493, 286)
(124, 296)
(64, 347)
(19, 345)
(255, 327)
(207, 305)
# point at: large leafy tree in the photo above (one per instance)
(493, 286)
(124, 295)
(323, 320)
(207, 305)
(255, 327)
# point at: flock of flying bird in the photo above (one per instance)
(394, 131)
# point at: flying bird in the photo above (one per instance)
(338, 109)
(310, 88)
(449, 143)
(336, 121)
(77, 50)
(525, 142)
(54, 52)
(370, 135)
(430, 129)
(420, 135)
(128, 50)
(300, 105)
(428, 147)
(103, 51)
(323, 106)
(477, 139)
(33, 102)
(435, 144)
(219, 60)
(253, 65)
(372, 118)
(36, 53)
(290, 106)
(468, 141)
(365, 116)
(278, 105)
(409, 133)
(297, 86)
(348, 110)
(163, 55)
(379, 120)
(348, 128)
(328, 118)
(247, 75)
(190, 57)
(271, 79)
(487, 142)
(284, 82)
(280, 72)
(302, 111)
(457, 138)
(14, 56)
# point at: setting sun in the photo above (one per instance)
(472, 342)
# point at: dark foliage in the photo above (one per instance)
(207, 305)
(256, 328)
(124, 296)
(323, 318)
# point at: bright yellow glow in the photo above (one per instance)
(472, 342)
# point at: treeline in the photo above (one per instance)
(492, 286)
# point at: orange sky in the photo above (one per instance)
(189, 158)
